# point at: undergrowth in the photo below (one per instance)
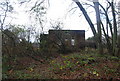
(71, 66)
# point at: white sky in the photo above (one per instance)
(57, 11)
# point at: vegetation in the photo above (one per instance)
(71, 66)
(41, 59)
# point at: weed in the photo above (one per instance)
(91, 58)
(88, 67)
(23, 75)
(114, 58)
(4, 76)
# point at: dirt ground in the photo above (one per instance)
(55, 68)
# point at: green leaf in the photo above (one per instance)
(94, 72)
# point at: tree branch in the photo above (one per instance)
(4, 17)
(108, 20)
(86, 16)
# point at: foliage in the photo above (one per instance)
(83, 62)
(6, 65)
(91, 38)
(44, 43)
(22, 75)
(74, 65)
(71, 61)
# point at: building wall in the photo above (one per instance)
(73, 39)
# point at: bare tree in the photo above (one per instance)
(5, 7)
(38, 11)
(99, 36)
(86, 16)
(115, 28)
(111, 41)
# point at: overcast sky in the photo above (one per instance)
(57, 11)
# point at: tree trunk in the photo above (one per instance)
(115, 29)
(109, 46)
(99, 36)
(86, 17)
(110, 49)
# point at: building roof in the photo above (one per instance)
(69, 30)
(76, 31)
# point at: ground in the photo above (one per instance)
(65, 66)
